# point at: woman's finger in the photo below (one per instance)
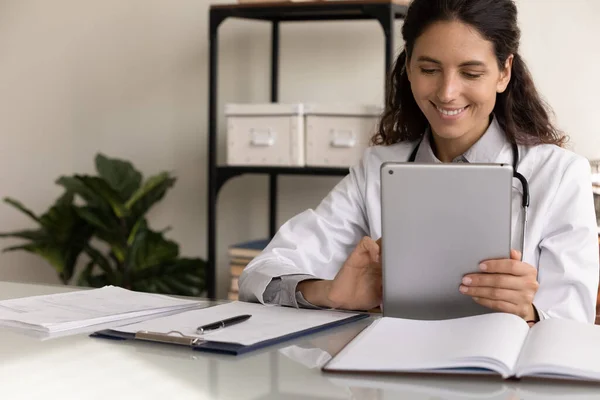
(506, 266)
(500, 305)
(503, 281)
(515, 255)
(495, 294)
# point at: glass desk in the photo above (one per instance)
(80, 367)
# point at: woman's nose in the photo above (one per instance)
(448, 89)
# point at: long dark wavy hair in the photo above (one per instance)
(520, 111)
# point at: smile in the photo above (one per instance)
(451, 112)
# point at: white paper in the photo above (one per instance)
(267, 322)
(64, 311)
(562, 347)
(490, 341)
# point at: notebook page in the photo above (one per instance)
(267, 322)
(394, 344)
(563, 347)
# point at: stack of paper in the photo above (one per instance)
(65, 313)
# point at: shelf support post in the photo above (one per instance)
(274, 99)
(386, 16)
(211, 265)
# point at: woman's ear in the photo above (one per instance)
(505, 74)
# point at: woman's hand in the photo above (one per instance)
(357, 285)
(507, 285)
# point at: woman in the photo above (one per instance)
(460, 92)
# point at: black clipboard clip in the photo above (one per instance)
(178, 338)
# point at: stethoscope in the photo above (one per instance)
(516, 174)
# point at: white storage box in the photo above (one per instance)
(265, 134)
(337, 135)
(319, 135)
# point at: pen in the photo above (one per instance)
(222, 324)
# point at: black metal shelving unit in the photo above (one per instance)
(384, 11)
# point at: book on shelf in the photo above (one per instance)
(241, 262)
(491, 344)
(240, 256)
(233, 296)
(247, 250)
(236, 269)
(234, 287)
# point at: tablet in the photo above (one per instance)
(439, 221)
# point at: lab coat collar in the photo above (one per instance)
(486, 150)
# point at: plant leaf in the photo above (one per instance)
(33, 235)
(88, 278)
(97, 258)
(48, 251)
(95, 191)
(66, 199)
(102, 189)
(86, 273)
(150, 248)
(60, 220)
(119, 174)
(107, 229)
(60, 239)
(17, 204)
(67, 232)
(25, 247)
(150, 193)
(140, 225)
(73, 247)
(184, 276)
(96, 218)
(75, 185)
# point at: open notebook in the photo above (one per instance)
(491, 343)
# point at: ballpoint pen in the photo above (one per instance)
(222, 324)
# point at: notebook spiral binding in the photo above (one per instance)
(168, 338)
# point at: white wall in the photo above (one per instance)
(561, 44)
(129, 78)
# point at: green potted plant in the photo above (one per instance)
(104, 218)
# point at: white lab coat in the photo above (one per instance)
(561, 238)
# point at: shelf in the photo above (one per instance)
(227, 172)
(309, 11)
(383, 11)
(235, 170)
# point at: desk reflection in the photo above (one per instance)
(292, 370)
(315, 352)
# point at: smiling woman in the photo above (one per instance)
(460, 65)
(459, 92)
(454, 78)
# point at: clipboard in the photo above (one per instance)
(200, 344)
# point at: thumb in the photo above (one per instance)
(369, 247)
(515, 255)
(372, 247)
(375, 250)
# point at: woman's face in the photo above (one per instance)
(454, 78)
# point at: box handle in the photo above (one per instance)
(342, 138)
(262, 137)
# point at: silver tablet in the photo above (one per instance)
(439, 221)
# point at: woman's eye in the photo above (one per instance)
(472, 76)
(428, 71)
